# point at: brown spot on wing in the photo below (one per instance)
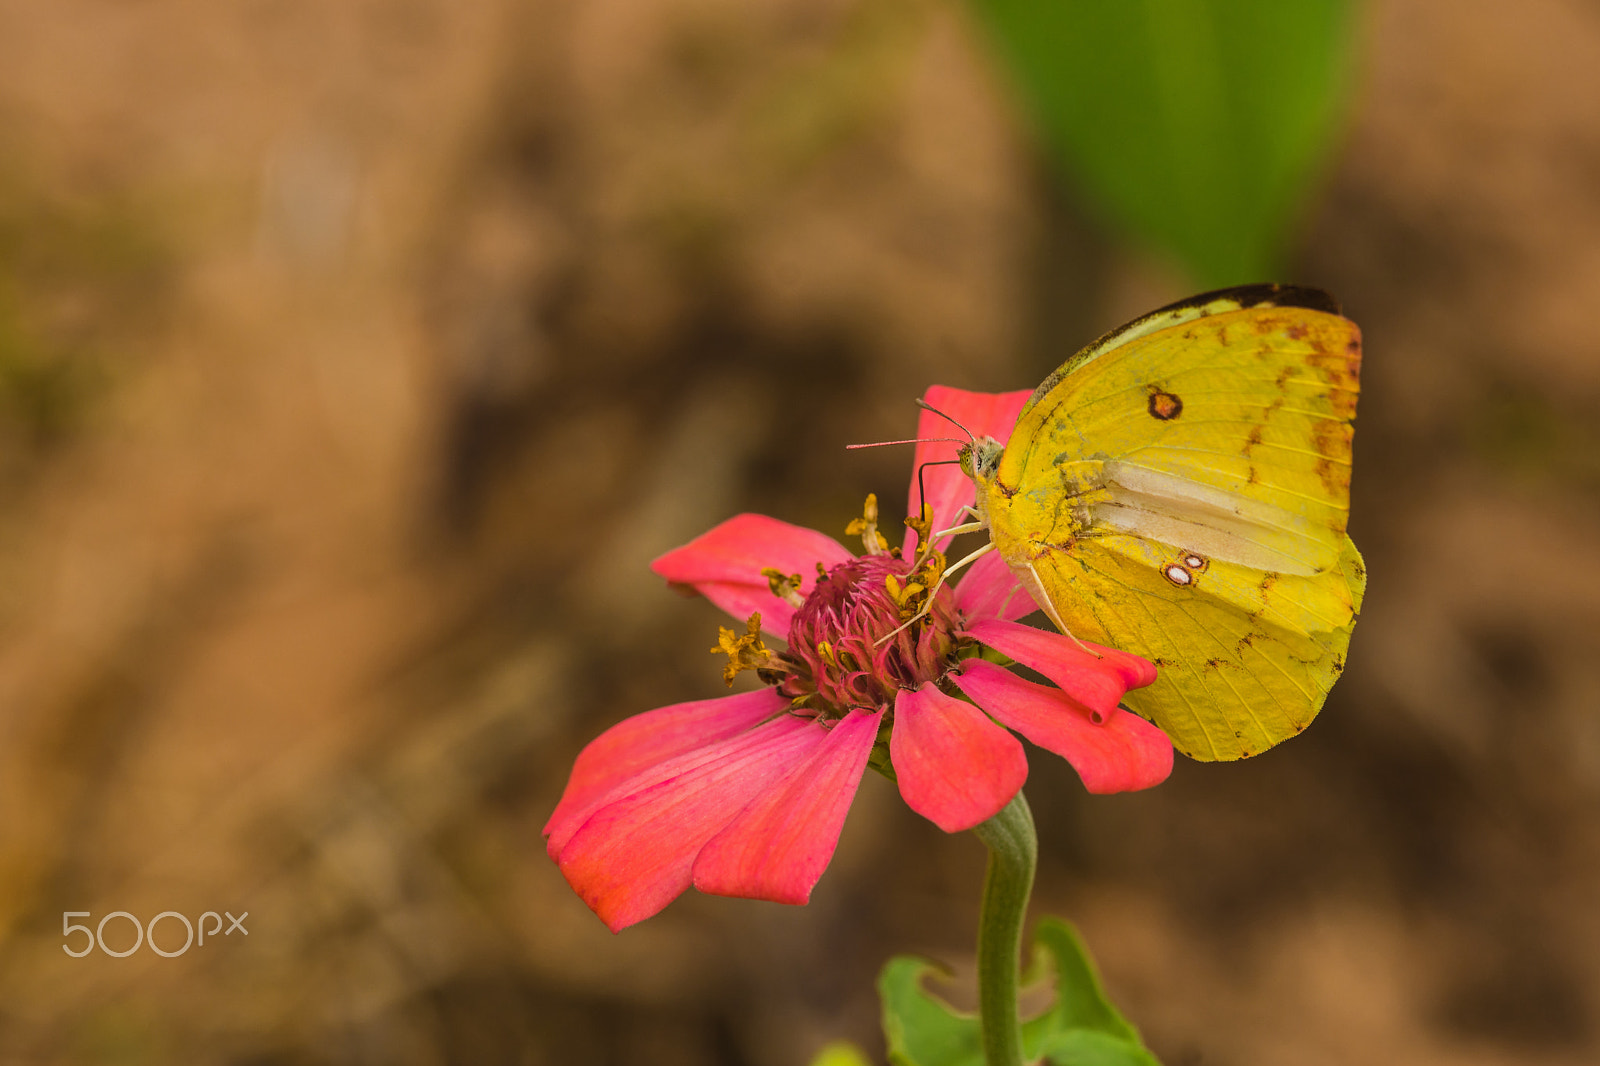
(1178, 575)
(1331, 438)
(1164, 405)
(1340, 369)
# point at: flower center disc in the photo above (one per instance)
(844, 639)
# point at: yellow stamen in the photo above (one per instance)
(867, 525)
(784, 586)
(744, 653)
(922, 525)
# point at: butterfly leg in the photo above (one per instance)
(928, 604)
(965, 527)
(953, 567)
(1042, 598)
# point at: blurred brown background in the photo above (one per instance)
(355, 360)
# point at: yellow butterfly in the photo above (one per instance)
(1179, 489)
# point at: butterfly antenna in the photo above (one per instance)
(913, 440)
(922, 488)
(926, 406)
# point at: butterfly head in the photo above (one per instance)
(981, 458)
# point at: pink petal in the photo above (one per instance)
(1125, 754)
(956, 767)
(724, 565)
(778, 846)
(639, 744)
(1096, 678)
(989, 589)
(949, 490)
(635, 853)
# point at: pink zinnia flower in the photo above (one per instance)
(745, 795)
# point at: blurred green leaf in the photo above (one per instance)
(1198, 125)
(920, 1029)
(1081, 1029)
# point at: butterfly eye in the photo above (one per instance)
(986, 453)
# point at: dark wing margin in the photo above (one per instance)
(1270, 294)
(1217, 301)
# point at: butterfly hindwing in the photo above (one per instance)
(1233, 679)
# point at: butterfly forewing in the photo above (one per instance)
(1181, 492)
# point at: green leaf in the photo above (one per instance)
(920, 1029)
(1198, 125)
(1084, 1047)
(1080, 1001)
(841, 1054)
(1082, 1028)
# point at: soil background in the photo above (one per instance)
(355, 360)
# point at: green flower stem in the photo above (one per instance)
(1013, 854)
